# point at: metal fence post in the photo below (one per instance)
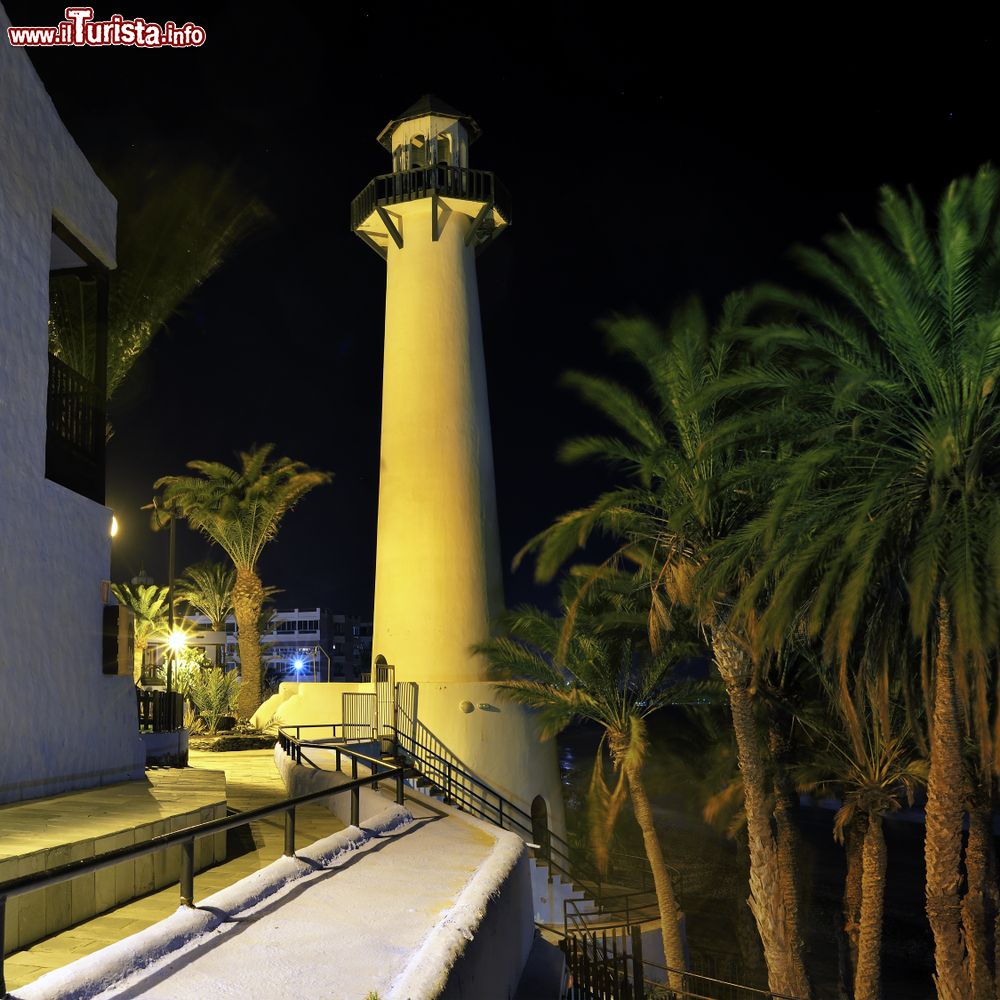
(638, 983)
(187, 872)
(355, 795)
(399, 788)
(290, 832)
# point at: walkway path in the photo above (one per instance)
(340, 933)
(252, 780)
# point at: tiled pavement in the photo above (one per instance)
(251, 780)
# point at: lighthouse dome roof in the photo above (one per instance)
(427, 105)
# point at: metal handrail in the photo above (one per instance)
(186, 840)
(453, 776)
(501, 813)
(504, 808)
(609, 917)
(693, 985)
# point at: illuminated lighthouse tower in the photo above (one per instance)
(438, 579)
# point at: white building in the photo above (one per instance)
(300, 644)
(64, 722)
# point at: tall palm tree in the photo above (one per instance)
(240, 510)
(602, 674)
(179, 222)
(684, 493)
(900, 488)
(862, 753)
(149, 604)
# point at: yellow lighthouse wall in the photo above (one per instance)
(438, 580)
(437, 563)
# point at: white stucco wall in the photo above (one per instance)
(63, 724)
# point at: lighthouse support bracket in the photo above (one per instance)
(390, 227)
(370, 242)
(477, 223)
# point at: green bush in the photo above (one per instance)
(214, 694)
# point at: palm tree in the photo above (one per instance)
(149, 604)
(604, 675)
(686, 492)
(208, 587)
(900, 488)
(862, 752)
(177, 226)
(240, 510)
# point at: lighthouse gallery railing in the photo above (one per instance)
(443, 180)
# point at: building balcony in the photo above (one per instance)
(74, 443)
(477, 193)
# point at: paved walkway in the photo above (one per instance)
(345, 932)
(39, 824)
(252, 780)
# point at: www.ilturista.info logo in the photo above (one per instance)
(80, 28)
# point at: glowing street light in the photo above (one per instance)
(114, 525)
(177, 640)
(298, 663)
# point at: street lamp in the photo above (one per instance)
(329, 664)
(162, 518)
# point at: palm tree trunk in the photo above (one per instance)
(979, 903)
(867, 978)
(854, 841)
(945, 813)
(666, 899)
(788, 841)
(755, 971)
(248, 596)
(784, 973)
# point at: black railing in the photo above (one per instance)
(599, 970)
(609, 912)
(424, 182)
(159, 711)
(462, 788)
(74, 443)
(608, 965)
(186, 840)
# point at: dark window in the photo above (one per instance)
(78, 333)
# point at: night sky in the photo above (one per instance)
(644, 163)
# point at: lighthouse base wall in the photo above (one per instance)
(497, 741)
(466, 722)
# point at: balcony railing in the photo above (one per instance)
(74, 444)
(159, 711)
(447, 182)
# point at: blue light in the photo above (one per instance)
(298, 663)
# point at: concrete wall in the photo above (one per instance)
(493, 961)
(63, 724)
(35, 915)
(304, 703)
